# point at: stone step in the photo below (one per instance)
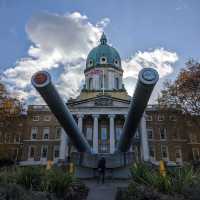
(112, 160)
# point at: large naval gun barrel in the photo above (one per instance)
(147, 79)
(42, 82)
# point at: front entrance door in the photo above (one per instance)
(103, 140)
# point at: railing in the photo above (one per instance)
(104, 147)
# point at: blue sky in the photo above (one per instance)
(141, 25)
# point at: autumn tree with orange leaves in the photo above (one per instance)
(184, 92)
(10, 119)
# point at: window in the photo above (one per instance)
(90, 63)
(36, 118)
(8, 139)
(163, 133)
(172, 118)
(152, 152)
(193, 138)
(47, 118)
(178, 154)
(89, 133)
(150, 133)
(164, 152)
(1, 137)
(45, 133)
(17, 139)
(195, 153)
(44, 151)
(34, 131)
(161, 117)
(101, 81)
(103, 133)
(176, 135)
(58, 132)
(56, 151)
(148, 118)
(118, 133)
(103, 60)
(116, 63)
(31, 152)
(20, 124)
(116, 83)
(90, 83)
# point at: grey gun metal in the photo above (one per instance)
(147, 79)
(43, 84)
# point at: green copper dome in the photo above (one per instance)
(104, 55)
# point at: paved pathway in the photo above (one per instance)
(105, 191)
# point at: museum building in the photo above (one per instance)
(100, 111)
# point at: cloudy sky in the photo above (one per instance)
(57, 35)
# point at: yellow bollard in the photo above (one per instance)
(71, 168)
(162, 168)
(49, 164)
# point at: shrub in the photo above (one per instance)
(176, 181)
(142, 174)
(7, 177)
(30, 177)
(37, 180)
(56, 181)
(184, 177)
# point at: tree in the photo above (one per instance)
(10, 116)
(184, 92)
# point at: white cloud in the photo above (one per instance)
(61, 43)
(160, 59)
(57, 41)
(103, 23)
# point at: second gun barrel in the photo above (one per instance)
(147, 79)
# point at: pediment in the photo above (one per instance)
(100, 101)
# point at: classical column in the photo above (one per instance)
(63, 145)
(112, 133)
(80, 122)
(144, 139)
(125, 116)
(95, 133)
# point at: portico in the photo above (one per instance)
(102, 131)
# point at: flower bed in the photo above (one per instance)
(38, 183)
(147, 183)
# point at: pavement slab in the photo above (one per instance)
(106, 191)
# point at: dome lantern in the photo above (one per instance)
(103, 39)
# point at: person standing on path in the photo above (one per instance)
(101, 170)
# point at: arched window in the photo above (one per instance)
(101, 81)
(116, 83)
(90, 83)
